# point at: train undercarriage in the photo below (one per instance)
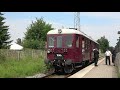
(66, 66)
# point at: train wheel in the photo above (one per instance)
(87, 62)
(68, 68)
(58, 70)
(83, 64)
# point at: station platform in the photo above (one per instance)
(100, 71)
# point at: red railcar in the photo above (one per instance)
(68, 49)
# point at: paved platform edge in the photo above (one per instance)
(84, 71)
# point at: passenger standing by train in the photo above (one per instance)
(108, 54)
(113, 56)
(96, 56)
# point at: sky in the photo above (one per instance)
(94, 24)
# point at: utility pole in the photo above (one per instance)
(77, 20)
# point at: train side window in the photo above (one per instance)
(51, 40)
(68, 41)
(77, 41)
(90, 42)
(83, 43)
(86, 44)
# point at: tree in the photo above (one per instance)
(4, 34)
(103, 44)
(111, 48)
(35, 37)
(19, 41)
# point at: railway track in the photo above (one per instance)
(54, 75)
(62, 75)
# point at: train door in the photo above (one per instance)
(77, 48)
(83, 48)
(87, 51)
(91, 51)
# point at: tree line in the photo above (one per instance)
(35, 37)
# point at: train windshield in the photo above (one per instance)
(51, 40)
(61, 41)
(68, 41)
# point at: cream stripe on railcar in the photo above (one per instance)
(70, 31)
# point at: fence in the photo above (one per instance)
(18, 55)
(117, 62)
(117, 59)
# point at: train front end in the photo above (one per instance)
(60, 50)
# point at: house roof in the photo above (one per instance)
(15, 46)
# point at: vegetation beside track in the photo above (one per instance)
(11, 67)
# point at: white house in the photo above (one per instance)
(15, 46)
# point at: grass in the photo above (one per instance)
(119, 75)
(12, 68)
(118, 72)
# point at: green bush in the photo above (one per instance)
(34, 44)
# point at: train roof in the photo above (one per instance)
(69, 31)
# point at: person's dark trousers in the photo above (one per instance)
(95, 61)
(113, 59)
(107, 58)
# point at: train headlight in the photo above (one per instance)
(48, 51)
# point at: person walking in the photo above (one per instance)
(113, 56)
(108, 54)
(96, 56)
